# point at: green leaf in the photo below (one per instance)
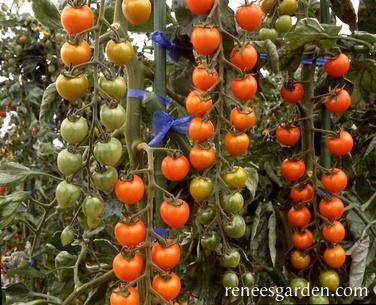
(371, 147)
(12, 174)
(46, 13)
(358, 252)
(345, 11)
(366, 16)
(273, 57)
(272, 236)
(8, 207)
(252, 181)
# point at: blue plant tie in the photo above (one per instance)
(322, 193)
(162, 231)
(163, 122)
(160, 38)
(139, 94)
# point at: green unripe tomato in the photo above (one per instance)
(93, 223)
(200, 188)
(230, 279)
(68, 163)
(299, 287)
(108, 153)
(206, 216)
(232, 203)
(74, 132)
(283, 24)
(67, 194)
(248, 279)
(236, 228)
(115, 88)
(231, 259)
(329, 279)
(288, 7)
(210, 241)
(105, 180)
(318, 299)
(112, 118)
(93, 207)
(265, 34)
(236, 178)
(67, 236)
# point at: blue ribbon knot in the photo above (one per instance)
(163, 122)
(160, 38)
(139, 93)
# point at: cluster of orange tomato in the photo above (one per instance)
(333, 181)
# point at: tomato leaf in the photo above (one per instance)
(272, 236)
(46, 13)
(8, 207)
(252, 181)
(359, 253)
(12, 173)
(273, 57)
(366, 17)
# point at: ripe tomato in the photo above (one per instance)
(71, 88)
(299, 260)
(333, 232)
(283, 24)
(302, 194)
(200, 188)
(205, 40)
(200, 130)
(130, 235)
(334, 182)
(130, 191)
(136, 12)
(168, 288)
(332, 209)
(128, 269)
(329, 279)
(298, 218)
(132, 298)
(67, 194)
(288, 7)
(200, 7)
(236, 228)
(232, 202)
(105, 178)
(292, 92)
(292, 170)
(236, 178)
(112, 117)
(175, 168)
(244, 58)
(68, 162)
(243, 118)
(3, 113)
(338, 103)
(236, 144)
(93, 207)
(115, 88)
(74, 132)
(244, 89)
(119, 53)
(173, 214)
(249, 17)
(108, 153)
(342, 145)
(77, 19)
(3, 189)
(75, 54)
(165, 258)
(287, 135)
(203, 78)
(197, 106)
(302, 240)
(337, 66)
(201, 158)
(335, 257)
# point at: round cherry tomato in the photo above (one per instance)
(3, 113)
(197, 106)
(230, 279)
(287, 135)
(302, 194)
(236, 178)
(249, 17)
(175, 168)
(173, 214)
(105, 179)
(119, 53)
(244, 58)
(288, 7)
(67, 236)
(130, 191)
(342, 145)
(244, 89)
(3, 189)
(68, 162)
(165, 258)
(231, 259)
(205, 40)
(332, 209)
(243, 118)
(75, 54)
(136, 12)
(334, 182)
(93, 223)
(248, 279)
(67, 194)
(201, 158)
(200, 130)
(299, 260)
(292, 92)
(335, 257)
(71, 88)
(128, 269)
(200, 7)
(74, 132)
(337, 66)
(236, 228)
(302, 240)
(266, 33)
(268, 5)
(329, 279)
(236, 144)
(93, 207)
(283, 24)
(210, 241)
(297, 286)
(203, 78)
(338, 103)
(298, 218)
(112, 117)
(130, 234)
(132, 297)
(168, 288)
(206, 215)
(77, 19)
(108, 153)
(232, 203)
(292, 170)
(200, 188)
(333, 232)
(115, 88)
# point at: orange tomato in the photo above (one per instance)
(203, 78)
(341, 145)
(292, 170)
(249, 17)
(335, 181)
(136, 12)
(175, 168)
(287, 135)
(165, 258)
(200, 7)
(196, 106)
(168, 288)
(201, 158)
(338, 66)
(200, 130)
(77, 19)
(243, 118)
(205, 40)
(132, 298)
(128, 269)
(244, 58)
(236, 145)
(244, 89)
(299, 217)
(335, 257)
(130, 191)
(338, 103)
(333, 232)
(299, 260)
(175, 216)
(332, 208)
(130, 235)
(73, 55)
(292, 92)
(302, 194)
(302, 240)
